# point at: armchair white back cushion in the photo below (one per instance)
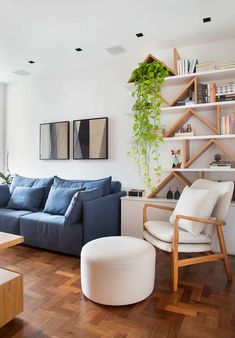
(196, 203)
(225, 191)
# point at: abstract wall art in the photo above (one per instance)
(90, 139)
(54, 141)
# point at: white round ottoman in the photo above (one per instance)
(117, 270)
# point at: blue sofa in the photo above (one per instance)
(99, 217)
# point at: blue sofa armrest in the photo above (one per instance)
(102, 217)
(4, 195)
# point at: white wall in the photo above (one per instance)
(2, 126)
(81, 93)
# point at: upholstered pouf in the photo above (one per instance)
(117, 270)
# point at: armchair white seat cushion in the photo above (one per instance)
(160, 234)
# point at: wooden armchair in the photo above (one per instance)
(172, 239)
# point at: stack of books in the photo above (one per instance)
(225, 92)
(185, 67)
(227, 65)
(206, 92)
(204, 67)
(221, 165)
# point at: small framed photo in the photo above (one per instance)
(54, 141)
(90, 139)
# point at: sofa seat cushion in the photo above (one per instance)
(9, 220)
(164, 232)
(50, 232)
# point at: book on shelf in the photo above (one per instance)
(210, 92)
(227, 65)
(191, 133)
(204, 67)
(184, 67)
(226, 125)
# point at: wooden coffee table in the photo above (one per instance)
(11, 284)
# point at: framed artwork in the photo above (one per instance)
(54, 141)
(90, 139)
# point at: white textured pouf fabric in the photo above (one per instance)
(117, 270)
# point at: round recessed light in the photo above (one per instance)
(31, 62)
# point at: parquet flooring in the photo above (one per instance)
(55, 307)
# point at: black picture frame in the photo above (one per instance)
(54, 140)
(90, 139)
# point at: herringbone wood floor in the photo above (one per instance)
(55, 307)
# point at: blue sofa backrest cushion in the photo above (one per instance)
(105, 183)
(74, 212)
(4, 195)
(26, 198)
(21, 181)
(59, 199)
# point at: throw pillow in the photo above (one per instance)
(196, 203)
(4, 195)
(74, 211)
(21, 181)
(59, 199)
(26, 198)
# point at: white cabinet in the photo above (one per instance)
(132, 218)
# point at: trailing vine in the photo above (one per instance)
(147, 78)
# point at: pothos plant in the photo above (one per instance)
(147, 78)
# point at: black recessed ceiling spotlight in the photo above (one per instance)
(31, 62)
(78, 49)
(208, 19)
(139, 35)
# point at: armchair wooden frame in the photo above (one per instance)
(176, 262)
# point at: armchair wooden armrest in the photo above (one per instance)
(199, 220)
(156, 206)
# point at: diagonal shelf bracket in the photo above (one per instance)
(183, 180)
(186, 116)
(207, 146)
(191, 85)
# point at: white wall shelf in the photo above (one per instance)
(200, 107)
(212, 75)
(199, 169)
(199, 137)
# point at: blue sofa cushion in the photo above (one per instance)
(63, 183)
(26, 198)
(4, 195)
(87, 184)
(49, 232)
(9, 220)
(115, 187)
(74, 211)
(21, 181)
(59, 199)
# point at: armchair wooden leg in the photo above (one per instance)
(175, 270)
(224, 252)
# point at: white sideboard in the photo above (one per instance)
(132, 218)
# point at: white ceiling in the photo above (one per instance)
(48, 31)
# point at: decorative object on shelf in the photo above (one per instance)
(189, 128)
(190, 98)
(185, 131)
(90, 139)
(176, 158)
(177, 194)
(136, 193)
(169, 194)
(147, 78)
(219, 163)
(54, 141)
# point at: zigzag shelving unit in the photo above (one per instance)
(191, 81)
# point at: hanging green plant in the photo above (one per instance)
(147, 78)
